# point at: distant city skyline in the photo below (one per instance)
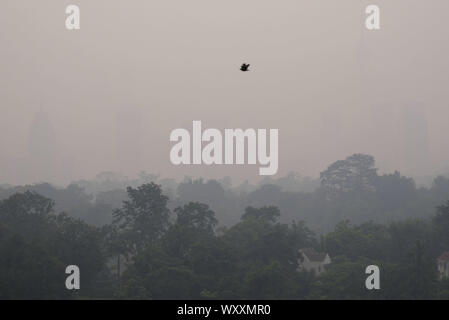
(113, 91)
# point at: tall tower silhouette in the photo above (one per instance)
(42, 148)
(129, 139)
(415, 139)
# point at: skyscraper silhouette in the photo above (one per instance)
(42, 148)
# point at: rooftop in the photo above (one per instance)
(444, 256)
(314, 255)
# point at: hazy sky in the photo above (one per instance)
(108, 96)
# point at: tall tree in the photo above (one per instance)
(27, 214)
(441, 223)
(196, 215)
(143, 218)
(354, 174)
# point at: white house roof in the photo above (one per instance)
(444, 257)
(313, 255)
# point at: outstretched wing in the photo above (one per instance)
(244, 67)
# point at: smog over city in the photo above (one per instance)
(224, 150)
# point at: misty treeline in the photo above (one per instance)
(152, 238)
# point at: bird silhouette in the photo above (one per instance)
(244, 67)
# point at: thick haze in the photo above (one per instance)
(106, 97)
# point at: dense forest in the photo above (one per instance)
(154, 238)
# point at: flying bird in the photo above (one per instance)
(244, 67)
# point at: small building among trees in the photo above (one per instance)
(312, 260)
(443, 265)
